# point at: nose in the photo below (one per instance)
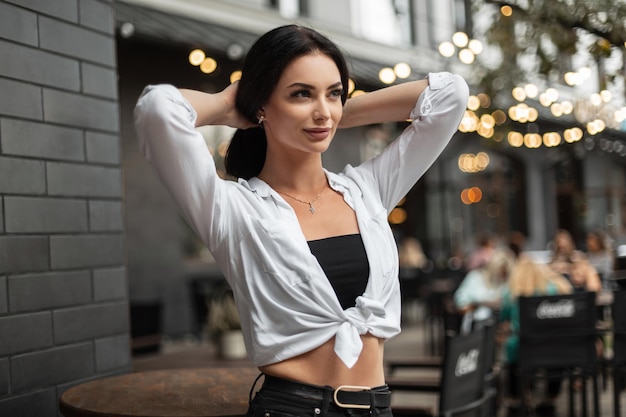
(322, 109)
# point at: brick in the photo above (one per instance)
(44, 215)
(112, 353)
(105, 216)
(52, 366)
(68, 252)
(21, 176)
(4, 377)
(16, 340)
(4, 300)
(80, 111)
(75, 41)
(32, 404)
(18, 24)
(90, 322)
(40, 140)
(49, 290)
(23, 253)
(110, 284)
(99, 81)
(103, 148)
(97, 15)
(63, 9)
(20, 99)
(83, 180)
(39, 67)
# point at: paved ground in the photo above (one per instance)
(411, 342)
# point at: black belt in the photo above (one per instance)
(344, 396)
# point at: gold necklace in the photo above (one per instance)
(310, 203)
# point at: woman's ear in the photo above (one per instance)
(260, 115)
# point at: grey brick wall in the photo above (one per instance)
(63, 282)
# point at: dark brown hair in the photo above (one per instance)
(262, 69)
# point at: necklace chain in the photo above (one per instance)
(310, 203)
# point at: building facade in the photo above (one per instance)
(63, 287)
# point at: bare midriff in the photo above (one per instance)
(321, 366)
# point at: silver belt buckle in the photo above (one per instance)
(351, 388)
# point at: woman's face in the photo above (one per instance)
(562, 243)
(305, 108)
(593, 243)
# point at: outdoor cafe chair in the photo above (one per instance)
(619, 348)
(461, 386)
(558, 339)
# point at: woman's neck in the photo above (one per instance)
(306, 177)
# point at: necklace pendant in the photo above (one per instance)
(311, 208)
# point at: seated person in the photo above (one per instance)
(583, 276)
(480, 292)
(564, 252)
(601, 256)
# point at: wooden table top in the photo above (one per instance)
(204, 392)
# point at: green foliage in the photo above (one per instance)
(551, 30)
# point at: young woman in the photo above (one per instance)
(564, 252)
(583, 277)
(308, 253)
(480, 292)
(601, 257)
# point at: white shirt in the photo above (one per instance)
(285, 302)
(475, 290)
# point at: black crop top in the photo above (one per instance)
(344, 261)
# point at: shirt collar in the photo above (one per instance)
(257, 185)
(336, 182)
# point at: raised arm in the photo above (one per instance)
(216, 109)
(434, 105)
(165, 120)
(390, 104)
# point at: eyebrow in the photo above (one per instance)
(310, 87)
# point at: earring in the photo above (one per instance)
(261, 118)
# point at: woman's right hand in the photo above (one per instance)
(233, 117)
(218, 108)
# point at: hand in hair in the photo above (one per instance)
(218, 108)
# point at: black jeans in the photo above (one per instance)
(269, 402)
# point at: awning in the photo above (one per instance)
(216, 30)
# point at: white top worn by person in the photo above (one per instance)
(481, 291)
(259, 238)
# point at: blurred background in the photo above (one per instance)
(88, 230)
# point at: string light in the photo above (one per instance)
(387, 75)
(351, 85)
(208, 66)
(468, 48)
(471, 163)
(235, 76)
(196, 57)
(402, 70)
(471, 195)
(460, 39)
